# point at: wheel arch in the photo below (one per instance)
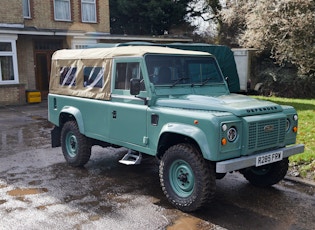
(174, 133)
(70, 113)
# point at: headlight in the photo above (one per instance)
(287, 125)
(231, 134)
(295, 117)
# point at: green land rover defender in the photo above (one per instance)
(172, 104)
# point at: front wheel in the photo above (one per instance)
(266, 175)
(186, 179)
(75, 146)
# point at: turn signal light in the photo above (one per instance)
(223, 141)
(294, 129)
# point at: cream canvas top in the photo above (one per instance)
(71, 64)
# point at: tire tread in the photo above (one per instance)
(205, 182)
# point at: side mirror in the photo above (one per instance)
(134, 86)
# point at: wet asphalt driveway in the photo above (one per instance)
(38, 190)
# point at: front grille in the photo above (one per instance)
(265, 134)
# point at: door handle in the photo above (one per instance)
(114, 113)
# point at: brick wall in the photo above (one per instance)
(11, 12)
(12, 94)
(25, 56)
(42, 16)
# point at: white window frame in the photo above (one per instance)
(12, 54)
(83, 43)
(66, 19)
(90, 3)
(26, 9)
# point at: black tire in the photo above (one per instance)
(220, 176)
(187, 180)
(76, 147)
(266, 175)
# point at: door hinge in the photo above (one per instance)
(145, 140)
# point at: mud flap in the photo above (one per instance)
(55, 137)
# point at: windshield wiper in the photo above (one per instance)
(206, 81)
(179, 80)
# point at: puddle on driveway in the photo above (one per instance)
(191, 223)
(27, 136)
(2, 201)
(2, 186)
(26, 191)
(183, 223)
(38, 118)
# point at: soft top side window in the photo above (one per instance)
(68, 76)
(93, 77)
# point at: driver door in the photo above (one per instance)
(128, 119)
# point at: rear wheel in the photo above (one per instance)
(76, 147)
(266, 175)
(186, 179)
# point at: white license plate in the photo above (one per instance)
(269, 158)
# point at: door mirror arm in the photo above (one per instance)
(135, 85)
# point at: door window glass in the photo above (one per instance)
(125, 71)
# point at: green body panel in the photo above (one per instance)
(91, 115)
(127, 121)
(290, 137)
(77, 115)
(162, 115)
(132, 126)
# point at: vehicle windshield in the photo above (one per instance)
(174, 69)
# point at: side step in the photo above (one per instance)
(131, 158)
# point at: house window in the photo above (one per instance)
(88, 9)
(26, 9)
(81, 46)
(62, 10)
(8, 63)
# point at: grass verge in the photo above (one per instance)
(302, 165)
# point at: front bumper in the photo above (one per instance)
(249, 161)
